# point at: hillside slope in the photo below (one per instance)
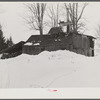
(56, 69)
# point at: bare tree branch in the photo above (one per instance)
(35, 20)
(84, 6)
(75, 16)
(53, 15)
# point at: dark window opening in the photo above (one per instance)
(91, 43)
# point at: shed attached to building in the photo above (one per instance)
(79, 43)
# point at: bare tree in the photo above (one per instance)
(35, 20)
(97, 41)
(97, 34)
(74, 14)
(53, 15)
(98, 31)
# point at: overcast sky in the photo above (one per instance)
(13, 24)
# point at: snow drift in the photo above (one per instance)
(57, 69)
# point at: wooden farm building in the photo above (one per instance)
(13, 51)
(56, 39)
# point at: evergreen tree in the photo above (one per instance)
(9, 42)
(5, 43)
(2, 40)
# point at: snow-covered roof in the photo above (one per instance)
(36, 44)
(28, 43)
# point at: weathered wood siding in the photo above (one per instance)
(74, 42)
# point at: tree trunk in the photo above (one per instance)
(41, 30)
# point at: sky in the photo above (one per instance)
(12, 16)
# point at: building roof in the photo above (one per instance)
(77, 33)
(39, 38)
(88, 36)
(33, 37)
(15, 48)
(55, 30)
(65, 23)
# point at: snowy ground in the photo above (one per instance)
(57, 69)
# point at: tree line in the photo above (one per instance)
(4, 42)
(43, 15)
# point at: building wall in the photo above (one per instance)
(76, 43)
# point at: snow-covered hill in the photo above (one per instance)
(56, 69)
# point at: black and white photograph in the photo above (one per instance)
(49, 45)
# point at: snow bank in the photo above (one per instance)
(56, 69)
(28, 43)
(0, 56)
(37, 44)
